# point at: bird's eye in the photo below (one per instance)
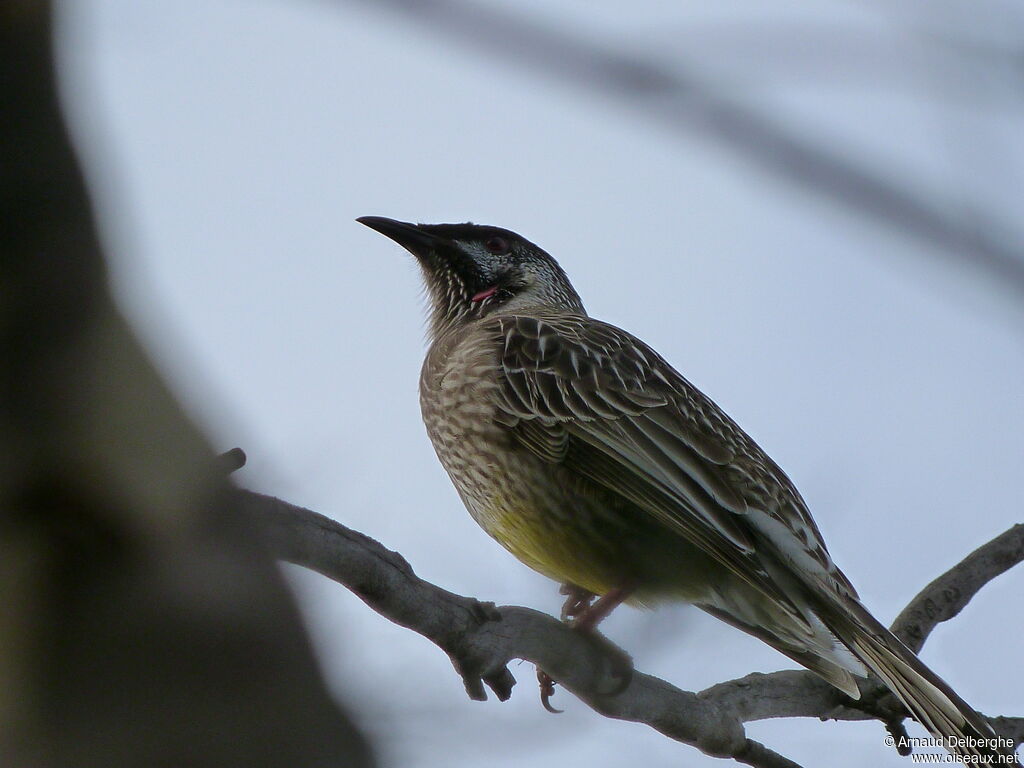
(497, 245)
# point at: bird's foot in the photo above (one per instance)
(620, 670)
(583, 611)
(578, 600)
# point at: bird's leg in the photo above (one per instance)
(592, 614)
(577, 601)
(583, 612)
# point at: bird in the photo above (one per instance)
(585, 454)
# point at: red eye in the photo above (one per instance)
(497, 245)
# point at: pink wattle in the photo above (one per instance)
(485, 294)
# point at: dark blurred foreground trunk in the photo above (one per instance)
(140, 625)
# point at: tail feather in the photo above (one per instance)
(928, 698)
(816, 660)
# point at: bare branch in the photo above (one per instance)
(947, 595)
(1010, 727)
(757, 754)
(231, 461)
(482, 640)
(686, 104)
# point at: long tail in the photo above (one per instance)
(929, 699)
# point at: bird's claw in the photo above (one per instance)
(547, 690)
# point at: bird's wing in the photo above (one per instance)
(585, 393)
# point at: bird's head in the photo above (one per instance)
(472, 271)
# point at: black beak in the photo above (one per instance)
(409, 236)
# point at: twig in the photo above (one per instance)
(231, 461)
(947, 595)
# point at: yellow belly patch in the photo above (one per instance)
(549, 544)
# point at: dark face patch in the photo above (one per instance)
(472, 270)
(487, 260)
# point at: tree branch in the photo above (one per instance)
(947, 595)
(481, 640)
(685, 103)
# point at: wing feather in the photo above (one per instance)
(587, 394)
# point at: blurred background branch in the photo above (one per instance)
(679, 99)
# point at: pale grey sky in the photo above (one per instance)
(232, 144)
